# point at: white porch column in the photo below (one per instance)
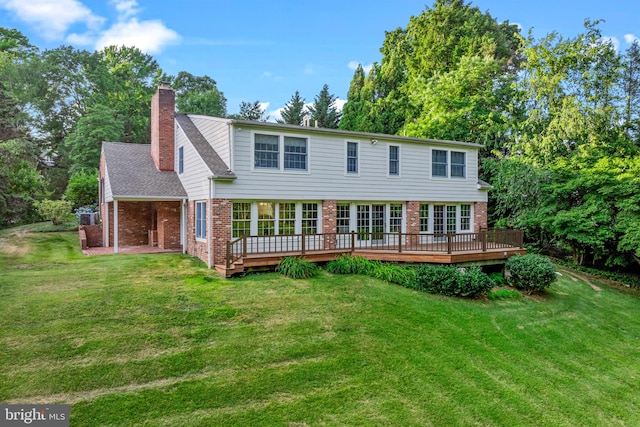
(115, 226)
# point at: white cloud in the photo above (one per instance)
(353, 65)
(52, 19)
(148, 36)
(630, 38)
(125, 8)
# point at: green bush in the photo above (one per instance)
(451, 281)
(397, 274)
(531, 272)
(82, 189)
(58, 211)
(297, 268)
(347, 264)
(504, 294)
(498, 279)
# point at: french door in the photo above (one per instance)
(371, 222)
(444, 220)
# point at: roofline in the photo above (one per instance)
(146, 198)
(349, 133)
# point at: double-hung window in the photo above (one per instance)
(352, 157)
(465, 217)
(439, 163)
(424, 218)
(201, 220)
(266, 151)
(241, 222)
(295, 153)
(394, 160)
(458, 164)
(395, 218)
(343, 216)
(310, 218)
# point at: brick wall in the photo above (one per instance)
(479, 216)
(168, 224)
(194, 248)
(413, 217)
(220, 228)
(329, 223)
(162, 128)
(94, 235)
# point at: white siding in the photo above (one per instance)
(216, 131)
(326, 178)
(108, 194)
(195, 178)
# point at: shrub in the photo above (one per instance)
(397, 274)
(498, 279)
(451, 281)
(473, 282)
(297, 268)
(531, 272)
(504, 294)
(56, 210)
(347, 264)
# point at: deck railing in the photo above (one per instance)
(373, 241)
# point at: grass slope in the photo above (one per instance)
(159, 340)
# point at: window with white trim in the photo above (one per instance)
(287, 218)
(395, 218)
(266, 151)
(309, 218)
(180, 159)
(439, 163)
(394, 160)
(424, 218)
(266, 219)
(458, 164)
(343, 218)
(241, 220)
(201, 220)
(295, 153)
(465, 217)
(451, 219)
(352, 158)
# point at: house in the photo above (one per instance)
(228, 190)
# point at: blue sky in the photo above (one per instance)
(266, 50)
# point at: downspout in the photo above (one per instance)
(210, 224)
(183, 225)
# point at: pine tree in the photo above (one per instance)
(250, 111)
(293, 112)
(354, 111)
(324, 112)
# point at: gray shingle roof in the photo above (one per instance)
(132, 173)
(216, 165)
(483, 185)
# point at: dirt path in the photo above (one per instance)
(575, 277)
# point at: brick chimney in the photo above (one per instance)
(163, 108)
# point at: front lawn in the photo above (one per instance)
(160, 340)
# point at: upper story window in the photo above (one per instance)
(180, 159)
(352, 157)
(441, 167)
(266, 151)
(394, 160)
(279, 152)
(295, 153)
(458, 164)
(439, 163)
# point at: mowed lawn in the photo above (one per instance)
(159, 340)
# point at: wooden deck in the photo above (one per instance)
(487, 247)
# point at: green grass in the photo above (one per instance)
(159, 340)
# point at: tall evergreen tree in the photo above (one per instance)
(631, 92)
(293, 112)
(324, 112)
(250, 111)
(354, 114)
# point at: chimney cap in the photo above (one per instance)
(164, 85)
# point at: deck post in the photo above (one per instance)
(244, 246)
(449, 242)
(353, 240)
(303, 243)
(228, 263)
(399, 241)
(483, 237)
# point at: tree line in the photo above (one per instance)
(558, 118)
